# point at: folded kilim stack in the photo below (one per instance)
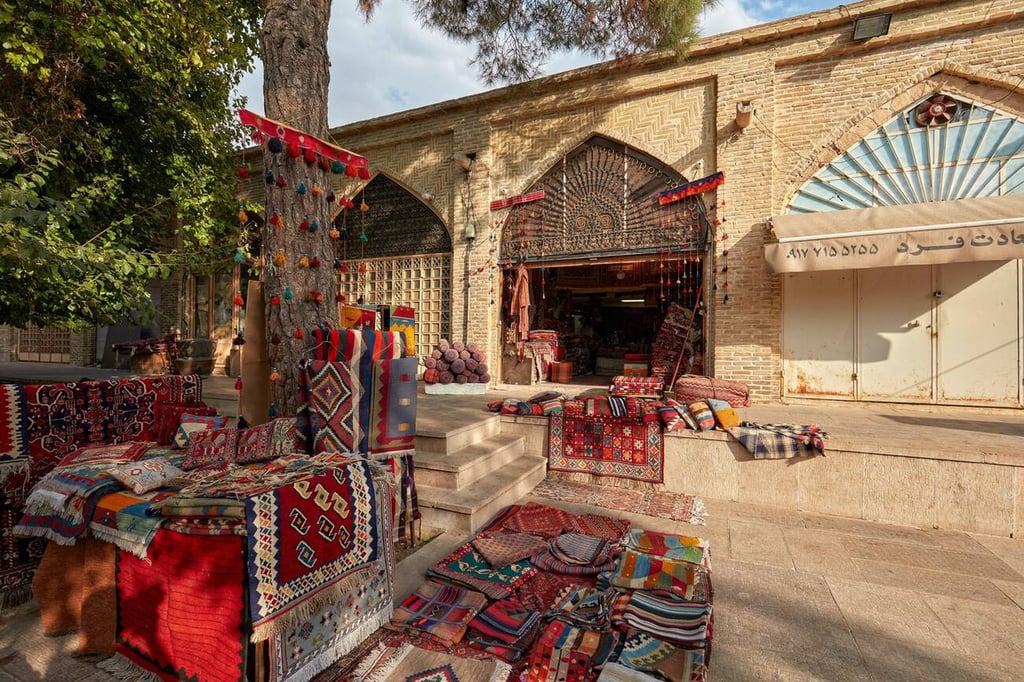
(456, 362)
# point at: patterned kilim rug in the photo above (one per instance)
(407, 663)
(604, 446)
(666, 505)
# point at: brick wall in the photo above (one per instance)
(815, 92)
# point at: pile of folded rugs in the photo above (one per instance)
(543, 594)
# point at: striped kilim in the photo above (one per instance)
(538, 519)
(466, 568)
(576, 548)
(641, 651)
(639, 571)
(501, 549)
(441, 611)
(668, 545)
(660, 615)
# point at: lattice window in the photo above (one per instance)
(424, 282)
(42, 344)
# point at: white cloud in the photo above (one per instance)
(393, 64)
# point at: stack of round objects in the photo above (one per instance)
(456, 363)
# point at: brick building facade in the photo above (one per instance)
(814, 92)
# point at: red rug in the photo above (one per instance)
(659, 503)
(613, 447)
(181, 614)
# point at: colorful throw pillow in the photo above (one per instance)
(214, 421)
(266, 441)
(149, 474)
(167, 418)
(702, 415)
(727, 418)
(128, 452)
(183, 435)
(211, 449)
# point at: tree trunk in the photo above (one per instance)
(295, 81)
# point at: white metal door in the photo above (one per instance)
(894, 340)
(818, 324)
(978, 340)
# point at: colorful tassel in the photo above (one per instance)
(243, 172)
(274, 374)
(238, 300)
(279, 259)
(239, 255)
(316, 297)
(275, 300)
(330, 196)
(364, 207)
(340, 298)
(352, 172)
(275, 339)
(324, 163)
(275, 145)
(304, 225)
(269, 177)
(281, 182)
(243, 217)
(304, 262)
(317, 191)
(364, 174)
(313, 226)
(238, 383)
(273, 409)
(302, 187)
(276, 220)
(309, 155)
(294, 150)
(239, 340)
(333, 233)
(362, 268)
(344, 267)
(314, 262)
(299, 334)
(337, 167)
(288, 295)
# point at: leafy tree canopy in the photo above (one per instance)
(515, 38)
(115, 126)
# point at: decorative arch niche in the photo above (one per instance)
(601, 199)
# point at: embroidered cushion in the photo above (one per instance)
(167, 418)
(214, 421)
(183, 435)
(211, 449)
(266, 441)
(149, 474)
(702, 414)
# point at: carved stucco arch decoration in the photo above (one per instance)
(983, 85)
(398, 223)
(601, 198)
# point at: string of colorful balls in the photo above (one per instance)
(456, 362)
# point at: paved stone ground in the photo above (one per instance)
(797, 597)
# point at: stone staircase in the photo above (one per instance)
(467, 473)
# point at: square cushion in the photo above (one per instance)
(183, 436)
(702, 414)
(167, 418)
(214, 421)
(211, 449)
(149, 474)
(271, 440)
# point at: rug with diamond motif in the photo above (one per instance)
(306, 541)
(597, 447)
(408, 663)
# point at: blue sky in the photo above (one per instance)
(392, 64)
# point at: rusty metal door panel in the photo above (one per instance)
(894, 340)
(979, 309)
(818, 333)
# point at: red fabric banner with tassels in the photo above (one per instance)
(289, 135)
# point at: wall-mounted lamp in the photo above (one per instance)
(871, 27)
(744, 112)
(470, 232)
(464, 161)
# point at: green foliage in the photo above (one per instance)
(515, 38)
(116, 141)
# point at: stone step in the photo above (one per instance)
(435, 433)
(467, 510)
(458, 469)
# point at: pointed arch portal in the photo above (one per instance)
(605, 260)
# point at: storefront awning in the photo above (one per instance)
(985, 229)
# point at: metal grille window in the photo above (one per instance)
(42, 344)
(422, 282)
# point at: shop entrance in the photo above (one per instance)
(595, 256)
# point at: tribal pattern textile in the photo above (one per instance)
(586, 607)
(566, 653)
(779, 441)
(639, 571)
(641, 651)
(407, 663)
(403, 321)
(699, 387)
(467, 568)
(182, 612)
(338, 628)
(660, 503)
(600, 526)
(680, 622)
(441, 611)
(13, 432)
(543, 589)
(304, 540)
(506, 628)
(334, 406)
(619, 448)
(127, 520)
(672, 350)
(637, 387)
(501, 549)
(675, 547)
(538, 519)
(393, 405)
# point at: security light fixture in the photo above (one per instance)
(871, 27)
